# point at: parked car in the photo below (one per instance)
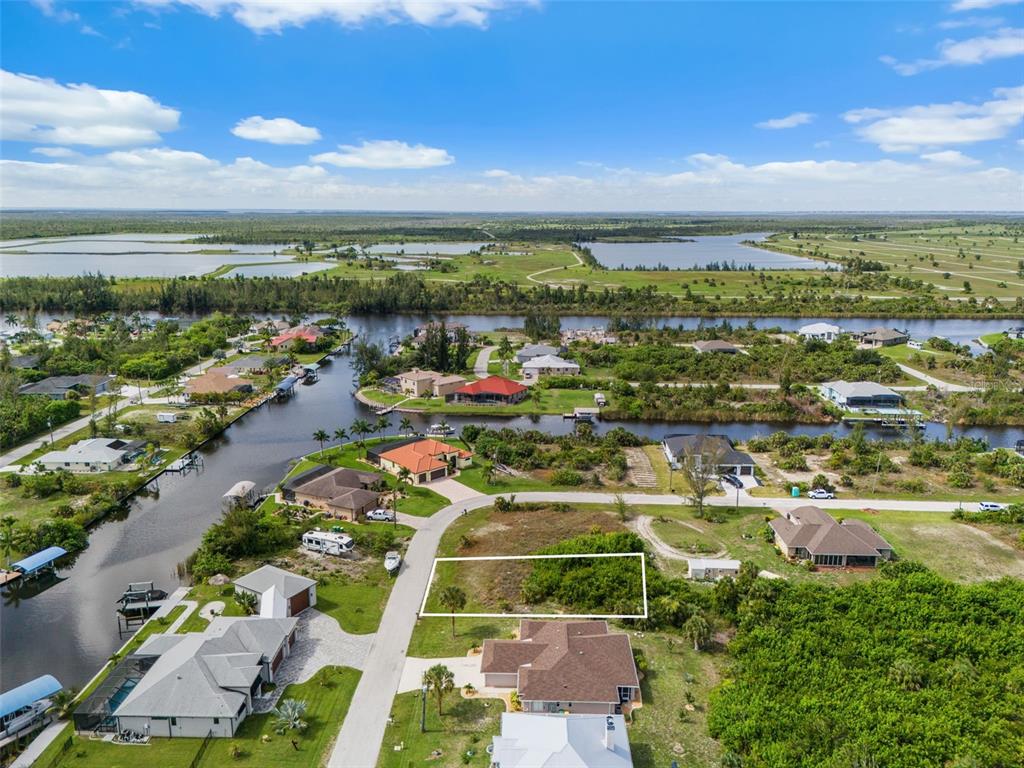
(820, 493)
(732, 480)
(385, 515)
(990, 506)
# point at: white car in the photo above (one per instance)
(820, 493)
(385, 515)
(990, 506)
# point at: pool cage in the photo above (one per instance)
(97, 713)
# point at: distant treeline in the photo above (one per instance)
(94, 294)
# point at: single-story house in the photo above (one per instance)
(451, 331)
(573, 741)
(881, 337)
(494, 390)
(192, 684)
(593, 335)
(716, 345)
(564, 666)
(310, 334)
(730, 461)
(530, 351)
(95, 454)
(549, 364)
(58, 387)
(254, 364)
(417, 383)
(1016, 332)
(826, 332)
(217, 381)
(426, 459)
(712, 569)
(341, 492)
(25, 361)
(854, 395)
(810, 533)
(280, 593)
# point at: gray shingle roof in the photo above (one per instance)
(262, 579)
(681, 445)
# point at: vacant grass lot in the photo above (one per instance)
(457, 737)
(327, 696)
(547, 401)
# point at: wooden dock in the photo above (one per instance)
(6, 577)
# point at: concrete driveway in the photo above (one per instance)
(465, 668)
(453, 490)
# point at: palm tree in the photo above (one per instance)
(361, 428)
(440, 680)
(340, 435)
(288, 716)
(61, 702)
(444, 425)
(697, 630)
(454, 599)
(405, 426)
(7, 536)
(322, 437)
(383, 422)
(487, 473)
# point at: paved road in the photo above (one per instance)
(482, 361)
(71, 427)
(362, 732)
(939, 384)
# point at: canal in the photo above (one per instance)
(69, 628)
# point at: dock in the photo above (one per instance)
(286, 388)
(186, 464)
(138, 603)
(583, 414)
(33, 565)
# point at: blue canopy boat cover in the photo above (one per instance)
(288, 383)
(40, 559)
(28, 694)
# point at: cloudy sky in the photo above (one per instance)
(490, 105)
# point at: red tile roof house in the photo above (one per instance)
(308, 333)
(564, 666)
(494, 390)
(425, 458)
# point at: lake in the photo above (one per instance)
(703, 251)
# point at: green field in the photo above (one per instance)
(455, 738)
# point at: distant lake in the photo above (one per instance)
(680, 254)
(126, 255)
(291, 269)
(443, 249)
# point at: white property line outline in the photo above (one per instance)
(433, 568)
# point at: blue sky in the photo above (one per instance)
(489, 105)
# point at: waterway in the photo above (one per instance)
(698, 253)
(69, 628)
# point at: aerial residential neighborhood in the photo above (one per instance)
(492, 384)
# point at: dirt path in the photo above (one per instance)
(642, 525)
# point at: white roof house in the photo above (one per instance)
(569, 741)
(97, 454)
(712, 568)
(861, 394)
(530, 351)
(823, 331)
(549, 364)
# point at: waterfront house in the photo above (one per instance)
(571, 741)
(340, 492)
(881, 336)
(220, 380)
(310, 334)
(678, 448)
(826, 332)
(417, 383)
(494, 390)
(549, 364)
(279, 593)
(593, 335)
(716, 345)
(59, 387)
(564, 666)
(254, 364)
(530, 351)
(425, 459)
(860, 395)
(445, 386)
(96, 454)
(191, 684)
(810, 533)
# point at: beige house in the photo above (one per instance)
(810, 533)
(340, 492)
(425, 459)
(417, 383)
(446, 385)
(576, 667)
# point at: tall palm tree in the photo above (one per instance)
(440, 680)
(454, 599)
(340, 435)
(383, 422)
(405, 426)
(322, 437)
(361, 428)
(697, 630)
(7, 536)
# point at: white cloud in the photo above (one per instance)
(169, 178)
(49, 8)
(950, 157)
(978, 5)
(908, 128)
(789, 121)
(984, 22)
(277, 130)
(54, 152)
(385, 154)
(1002, 44)
(91, 31)
(273, 15)
(45, 111)
(824, 144)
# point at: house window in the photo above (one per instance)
(216, 721)
(174, 721)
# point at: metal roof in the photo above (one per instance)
(39, 560)
(27, 694)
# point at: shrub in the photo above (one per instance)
(566, 477)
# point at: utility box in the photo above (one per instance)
(795, 492)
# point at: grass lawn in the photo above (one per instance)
(465, 726)
(662, 730)
(550, 401)
(208, 593)
(357, 604)
(327, 698)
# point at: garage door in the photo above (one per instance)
(299, 603)
(437, 474)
